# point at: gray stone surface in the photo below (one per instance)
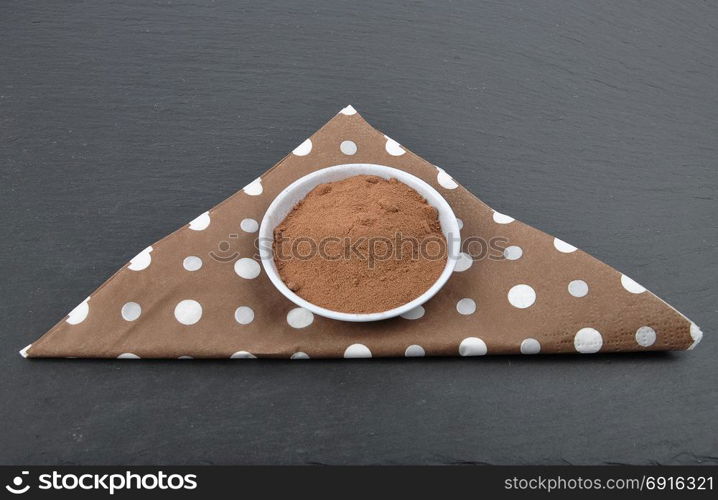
(594, 121)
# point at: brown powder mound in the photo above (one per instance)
(360, 245)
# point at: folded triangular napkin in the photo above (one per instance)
(201, 293)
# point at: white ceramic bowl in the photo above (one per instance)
(295, 192)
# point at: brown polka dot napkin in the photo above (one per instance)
(201, 292)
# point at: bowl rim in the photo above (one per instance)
(453, 243)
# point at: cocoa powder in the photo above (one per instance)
(360, 245)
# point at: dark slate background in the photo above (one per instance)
(594, 121)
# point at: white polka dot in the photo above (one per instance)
(414, 351)
(522, 296)
(188, 312)
(249, 225)
(631, 285)
(393, 148)
(588, 341)
(300, 317)
(244, 315)
(243, 355)
(460, 223)
(348, 147)
(23, 352)
(513, 252)
(141, 260)
(445, 180)
(349, 110)
(192, 263)
(472, 346)
(299, 355)
(696, 335)
(247, 268)
(646, 336)
(79, 313)
(466, 306)
(562, 246)
(463, 262)
(131, 311)
(128, 355)
(185, 357)
(200, 223)
(578, 288)
(254, 188)
(500, 218)
(530, 346)
(416, 313)
(357, 351)
(304, 148)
